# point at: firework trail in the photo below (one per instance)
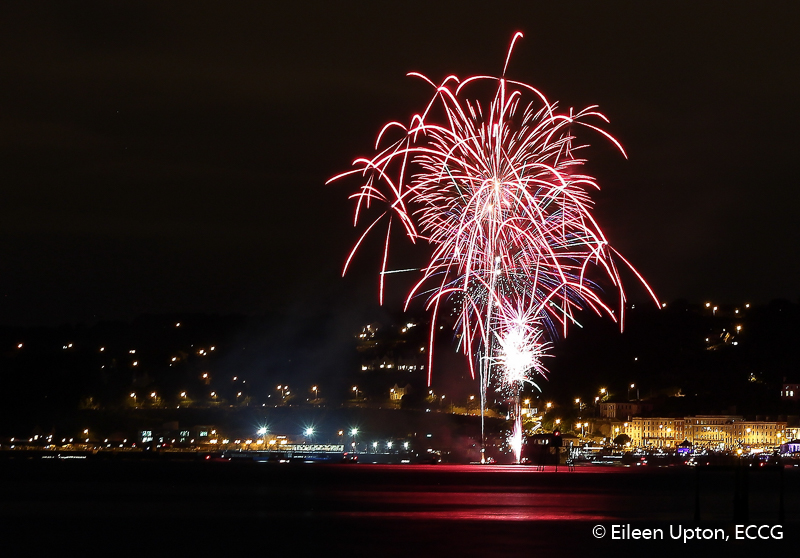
(495, 191)
(517, 353)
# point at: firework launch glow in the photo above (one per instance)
(494, 189)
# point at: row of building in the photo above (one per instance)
(719, 432)
(713, 432)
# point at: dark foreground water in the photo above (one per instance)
(209, 509)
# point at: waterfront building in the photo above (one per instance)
(656, 432)
(713, 432)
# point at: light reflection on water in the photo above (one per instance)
(414, 493)
(464, 493)
(461, 506)
(386, 510)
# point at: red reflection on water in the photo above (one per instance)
(461, 496)
(523, 469)
(502, 506)
(469, 515)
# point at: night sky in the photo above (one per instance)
(173, 159)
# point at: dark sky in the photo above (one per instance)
(173, 159)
